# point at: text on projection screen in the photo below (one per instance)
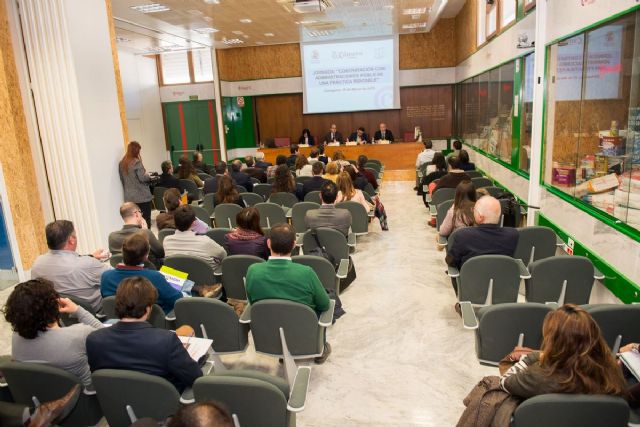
(352, 76)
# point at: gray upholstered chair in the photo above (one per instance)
(202, 214)
(158, 202)
(313, 196)
(482, 182)
(195, 194)
(560, 280)
(66, 319)
(333, 241)
(270, 215)
(217, 234)
(251, 199)
(359, 217)
(209, 204)
(493, 190)
(225, 214)
(234, 271)
(439, 196)
(283, 199)
(298, 212)
(199, 271)
(263, 190)
(164, 233)
(474, 174)
(441, 213)
(618, 323)
(535, 243)
(324, 270)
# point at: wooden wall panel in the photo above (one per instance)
(17, 163)
(465, 30)
(436, 48)
(430, 107)
(260, 62)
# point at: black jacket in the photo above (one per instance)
(242, 179)
(388, 135)
(138, 346)
(168, 181)
(483, 239)
(312, 184)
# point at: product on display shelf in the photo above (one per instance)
(630, 181)
(629, 215)
(604, 201)
(633, 135)
(597, 185)
(624, 198)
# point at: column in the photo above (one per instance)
(218, 101)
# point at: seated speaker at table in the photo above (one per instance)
(360, 136)
(383, 134)
(333, 135)
(306, 138)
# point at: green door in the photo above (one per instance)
(239, 123)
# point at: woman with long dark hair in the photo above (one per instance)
(284, 182)
(306, 138)
(248, 238)
(227, 192)
(135, 180)
(460, 214)
(188, 171)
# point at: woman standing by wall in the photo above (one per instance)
(135, 180)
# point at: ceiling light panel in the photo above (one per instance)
(232, 41)
(151, 8)
(414, 11)
(206, 30)
(246, 21)
(414, 25)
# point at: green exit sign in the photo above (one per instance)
(193, 97)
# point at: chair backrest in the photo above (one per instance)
(374, 165)
(478, 272)
(254, 180)
(442, 209)
(562, 410)
(190, 187)
(493, 190)
(257, 403)
(374, 161)
(165, 232)
(270, 214)
(147, 395)
(503, 326)
(66, 319)
(299, 322)
(359, 216)
(225, 214)
(270, 180)
(535, 243)
(202, 214)
(282, 141)
(298, 213)
(262, 189)
(209, 203)
(251, 199)
(474, 174)
(158, 192)
(618, 323)
(332, 240)
(204, 176)
(47, 383)
(234, 270)
(283, 199)
(213, 319)
(156, 318)
(217, 234)
(313, 196)
(323, 269)
(302, 179)
(241, 189)
(549, 276)
(482, 182)
(442, 194)
(198, 270)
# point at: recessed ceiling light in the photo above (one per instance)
(414, 25)
(151, 8)
(212, 1)
(269, 34)
(245, 36)
(246, 21)
(120, 39)
(237, 32)
(308, 22)
(206, 30)
(414, 10)
(232, 41)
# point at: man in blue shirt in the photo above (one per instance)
(135, 250)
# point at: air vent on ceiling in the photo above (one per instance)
(323, 25)
(311, 6)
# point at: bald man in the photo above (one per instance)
(485, 238)
(383, 134)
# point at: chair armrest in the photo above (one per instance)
(427, 196)
(552, 304)
(187, 396)
(453, 272)
(442, 241)
(343, 268)
(433, 210)
(597, 274)
(246, 315)
(212, 216)
(287, 211)
(326, 317)
(559, 241)
(299, 239)
(524, 272)
(469, 319)
(298, 394)
(351, 239)
(170, 316)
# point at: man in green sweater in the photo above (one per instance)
(280, 278)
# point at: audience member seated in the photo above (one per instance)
(322, 156)
(454, 177)
(465, 164)
(254, 171)
(339, 158)
(457, 146)
(434, 171)
(187, 171)
(167, 180)
(313, 156)
(211, 184)
(291, 160)
(240, 177)
(284, 182)
(486, 238)
(134, 344)
(33, 310)
(362, 170)
(134, 222)
(185, 241)
(331, 171)
(172, 200)
(260, 163)
(333, 135)
(135, 251)
(227, 192)
(460, 214)
(247, 238)
(316, 181)
(199, 164)
(280, 278)
(201, 414)
(573, 359)
(306, 138)
(71, 273)
(359, 181)
(281, 159)
(327, 215)
(346, 191)
(426, 155)
(303, 168)
(359, 136)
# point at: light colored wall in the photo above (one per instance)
(143, 109)
(177, 93)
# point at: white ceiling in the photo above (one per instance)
(272, 22)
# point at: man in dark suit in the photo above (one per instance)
(316, 181)
(359, 136)
(260, 163)
(328, 215)
(486, 238)
(333, 135)
(253, 171)
(211, 184)
(199, 164)
(240, 177)
(135, 345)
(383, 134)
(167, 180)
(291, 160)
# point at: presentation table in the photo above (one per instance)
(396, 156)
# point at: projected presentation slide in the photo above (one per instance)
(351, 76)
